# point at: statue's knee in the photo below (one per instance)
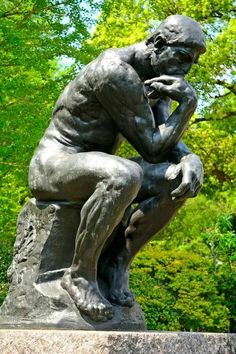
(134, 175)
(126, 178)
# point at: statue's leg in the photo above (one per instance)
(154, 210)
(108, 184)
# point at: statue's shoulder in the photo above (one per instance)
(114, 73)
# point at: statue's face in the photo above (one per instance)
(173, 60)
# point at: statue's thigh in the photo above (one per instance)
(156, 181)
(76, 176)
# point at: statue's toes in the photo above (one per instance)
(123, 299)
(129, 295)
(100, 312)
(128, 301)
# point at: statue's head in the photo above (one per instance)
(177, 44)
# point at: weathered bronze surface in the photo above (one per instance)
(118, 204)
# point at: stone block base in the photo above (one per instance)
(43, 251)
(89, 342)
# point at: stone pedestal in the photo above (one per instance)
(84, 342)
(43, 250)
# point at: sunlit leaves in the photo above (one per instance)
(34, 34)
(177, 291)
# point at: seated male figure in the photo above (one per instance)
(126, 93)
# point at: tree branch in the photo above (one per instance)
(230, 87)
(9, 163)
(221, 96)
(12, 11)
(204, 119)
(10, 14)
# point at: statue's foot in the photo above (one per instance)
(122, 297)
(87, 297)
(116, 278)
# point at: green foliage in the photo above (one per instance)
(117, 25)
(227, 286)
(177, 279)
(177, 291)
(13, 195)
(211, 134)
(221, 240)
(34, 36)
(197, 217)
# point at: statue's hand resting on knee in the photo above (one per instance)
(192, 177)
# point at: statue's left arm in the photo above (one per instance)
(187, 162)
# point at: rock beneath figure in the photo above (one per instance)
(43, 251)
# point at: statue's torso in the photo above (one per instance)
(80, 123)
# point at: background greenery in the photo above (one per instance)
(186, 278)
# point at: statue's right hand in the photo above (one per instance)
(174, 87)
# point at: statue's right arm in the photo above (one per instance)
(122, 94)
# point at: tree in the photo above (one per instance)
(177, 291)
(221, 241)
(34, 35)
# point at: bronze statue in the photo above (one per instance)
(124, 93)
